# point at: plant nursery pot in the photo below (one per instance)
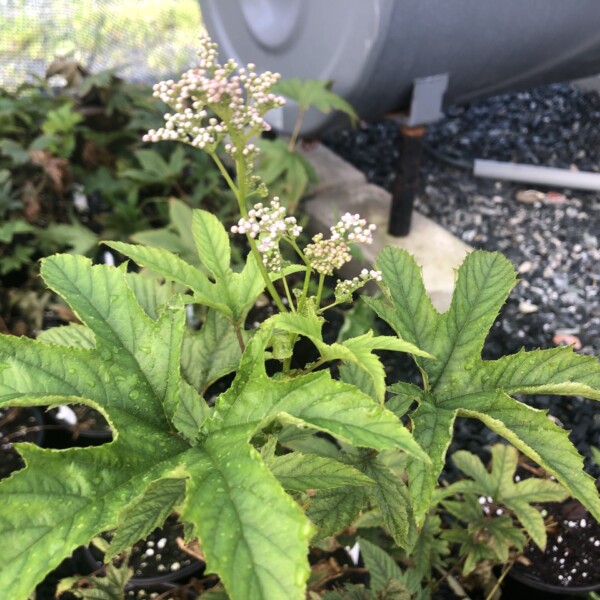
(166, 591)
(158, 559)
(18, 424)
(570, 566)
(76, 564)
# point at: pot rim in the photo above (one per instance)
(536, 583)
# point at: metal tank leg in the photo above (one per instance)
(407, 180)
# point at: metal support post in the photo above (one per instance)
(407, 180)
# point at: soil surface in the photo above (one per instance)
(572, 556)
(16, 425)
(159, 554)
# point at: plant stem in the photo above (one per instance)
(297, 127)
(315, 365)
(225, 174)
(320, 288)
(322, 310)
(240, 339)
(500, 579)
(287, 293)
(299, 252)
(455, 585)
(304, 289)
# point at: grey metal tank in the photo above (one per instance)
(373, 50)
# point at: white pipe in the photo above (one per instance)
(548, 176)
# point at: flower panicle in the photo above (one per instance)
(327, 255)
(268, 224)
(213, 102)
(344, 289)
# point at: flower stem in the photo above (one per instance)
(241, 198)
(225, 174)
(320, 288)
(287, 293)
(297, 127)
(304, 289)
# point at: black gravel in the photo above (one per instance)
(553, 241)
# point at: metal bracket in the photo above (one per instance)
(426, 100)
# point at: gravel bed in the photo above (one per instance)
(550, 235)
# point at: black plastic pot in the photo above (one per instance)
(179, 593)
(77, 564)
(148, 577)
(521, 585)
(570, 566)
(18, 424)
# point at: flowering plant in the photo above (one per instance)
(247, 470)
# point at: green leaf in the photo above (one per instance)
(471, 465)
(75, 494)
(232, 294)
(432, 428)
(9, 229)
(459, 382)
(212, 243)
(74, 236)
(382, 568)
(314, 92)
(501, 487)
(315, 400)
(484, 282)
(356, 351)
(177, 237)
(308, 442)
(301, 472)
(173, 268)
(212, 352)
(151, 294)
(556, 371)
(429, 549)
(333, 510)
(147, 512)
(14, 151)
(538, 437)
(284, 171)
(74, 335)
(190, 413)
(390, 496)
(353, 374)
(404, 394)
(406, 306)
(162, 430)
(253, 534)
(106, 587)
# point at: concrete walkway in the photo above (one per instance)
(342, 188)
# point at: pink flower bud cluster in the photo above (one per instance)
(211, 103)
(269, 225)
(353, 229)
(327, 255)
(345, 289)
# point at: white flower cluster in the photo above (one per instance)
(345, 289)
(326, 255)
(269, 225)
(236, 104)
